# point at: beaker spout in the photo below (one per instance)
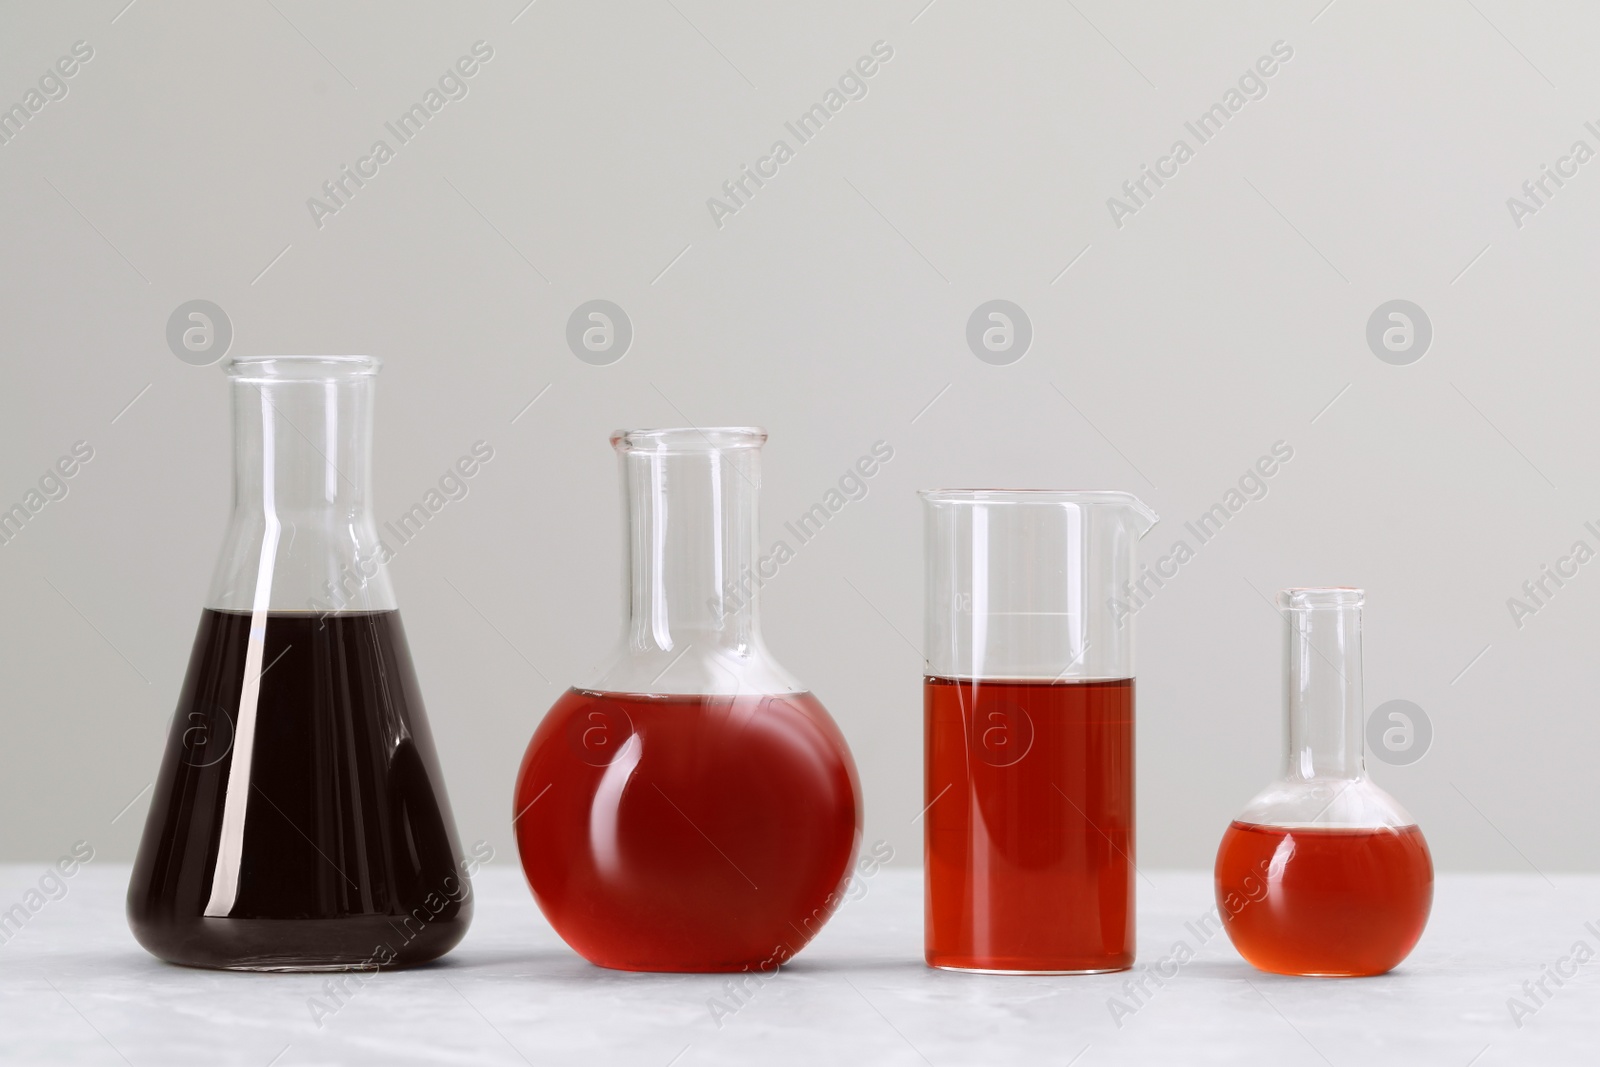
(1143, 516)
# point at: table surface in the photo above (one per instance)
(75, 988)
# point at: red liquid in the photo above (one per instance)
(1029, 836)
(1323, 901)
(687, 833)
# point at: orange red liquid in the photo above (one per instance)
(1323, 901)
(1029, 828)
(687, 833)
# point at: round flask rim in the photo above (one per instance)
(301, 368)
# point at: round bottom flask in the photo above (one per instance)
(695, 809)
(1324, 873)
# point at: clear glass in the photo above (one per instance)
(693, 808)
(1324, 873)
(1028, 730)
(302, 535)
(299, 820)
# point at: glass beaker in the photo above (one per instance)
(299, 821)
(1324, 873)
(694, 808)
(1028, 718)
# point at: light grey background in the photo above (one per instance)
(1229, 313)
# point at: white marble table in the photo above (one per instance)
(76, 989)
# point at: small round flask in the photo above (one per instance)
(1324, 873)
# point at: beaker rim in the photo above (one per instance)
(301, 368)
(688, 439)
(1301, 598)
(1036, 496)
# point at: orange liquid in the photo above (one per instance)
(1029, 832)
(687, 833)
(1323, 901)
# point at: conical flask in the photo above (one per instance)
(299, 821)
(1324, 873)
(693, 808)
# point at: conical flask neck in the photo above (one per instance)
(303, 448)
(1324, 684)
(302, 535)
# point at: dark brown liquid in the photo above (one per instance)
(348, 854)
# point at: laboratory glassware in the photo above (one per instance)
(1324, 873)
(1029, 729)
(693, 808)
(299, 820)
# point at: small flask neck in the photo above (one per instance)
(1324, 698)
